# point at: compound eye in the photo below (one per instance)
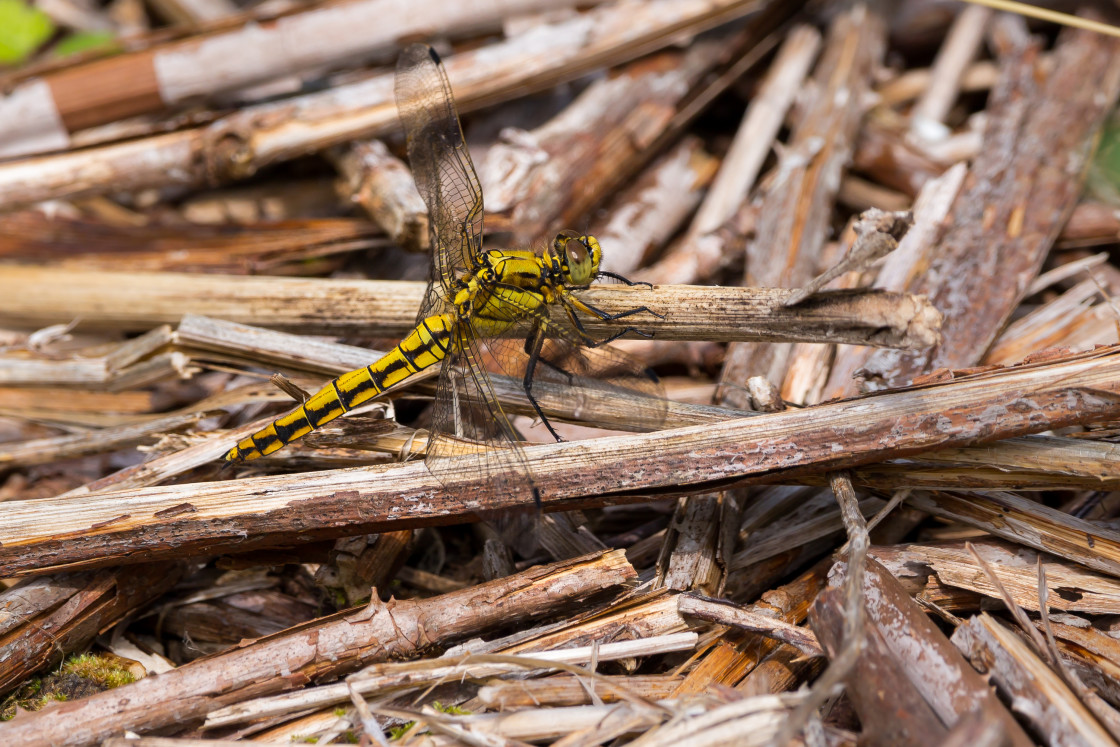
(563, 238)
(577, 252)
(579, 261)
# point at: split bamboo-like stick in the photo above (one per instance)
(43, 111)
(40, 296)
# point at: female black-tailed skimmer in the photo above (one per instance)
(485, 312)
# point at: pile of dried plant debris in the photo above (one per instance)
(878, 509)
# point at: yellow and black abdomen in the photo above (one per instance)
(425, 346)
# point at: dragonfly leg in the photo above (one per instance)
(533, 345)
(590, 341)
(621, 279)
(570, 300)
(620, 333)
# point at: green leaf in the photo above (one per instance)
(1104, 172)
(23, 29)
(84, 41)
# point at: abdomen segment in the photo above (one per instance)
(425, 346)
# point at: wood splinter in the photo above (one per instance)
(877, 235)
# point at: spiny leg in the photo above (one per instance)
(595, 311)
(590, 341)
(620, 278)
(571, 302)
(533, 345)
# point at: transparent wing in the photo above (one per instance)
(471, 436)
(442, 168)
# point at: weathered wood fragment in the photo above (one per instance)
(731, 615)
(147, 81)
(267, 511)
(279, 247)
(383, 186)
(734, 654)
(944, 680)
(241, 143)
(891, 710)
(646, 214)
(796, 209)
(566, 690)
(386, 677)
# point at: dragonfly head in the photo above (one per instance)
(578, 257)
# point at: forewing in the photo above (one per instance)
(442, 168)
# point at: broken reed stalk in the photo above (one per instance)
(1045, 646)
(379, 678)
(952, 569)
(732, 615)
(326, 648)
(169, 521)
(1029, 523)
(37, 296)
(1047, 705)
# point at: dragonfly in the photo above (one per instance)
(485, 312)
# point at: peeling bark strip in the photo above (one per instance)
(146, 82)
(891, 710)
(326, 649)
(236, 146)
(299, 508)
(1019, 193)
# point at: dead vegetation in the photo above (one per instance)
(880, 509)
